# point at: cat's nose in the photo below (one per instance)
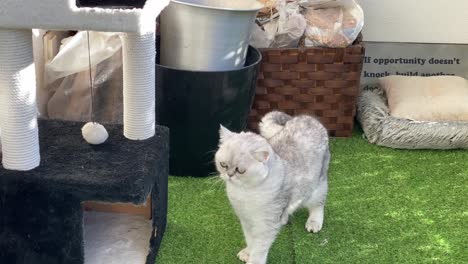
(230, 175)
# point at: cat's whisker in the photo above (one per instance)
(210, 162)
(216, 183)
(213, 177)
(211, 151)
(213, 173)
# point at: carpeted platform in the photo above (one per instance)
(118, 170)
(41, 214)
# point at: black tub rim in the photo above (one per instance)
(247, 66)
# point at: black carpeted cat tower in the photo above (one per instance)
(49, 173)
(42, 217)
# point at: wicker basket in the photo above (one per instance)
(323, 82)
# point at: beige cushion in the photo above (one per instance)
(438, 98)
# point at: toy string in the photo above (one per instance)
(91, 84)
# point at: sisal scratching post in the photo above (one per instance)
(139, 55)
(51, 225)
(18, 113)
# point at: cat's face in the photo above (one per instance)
(242, 158)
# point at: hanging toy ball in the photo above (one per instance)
(94, 133)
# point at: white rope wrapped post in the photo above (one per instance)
(18, 113)
(139, 56)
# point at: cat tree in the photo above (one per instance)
(40, 201)
(17, 78)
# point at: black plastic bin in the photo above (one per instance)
(193, 104)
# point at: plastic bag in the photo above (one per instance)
(263, 38)
(283, 29)
(291, 25)
(332, 23)
(67, 79)
(73, 55)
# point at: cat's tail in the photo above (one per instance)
(272, 123)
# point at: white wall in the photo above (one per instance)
(420, 21)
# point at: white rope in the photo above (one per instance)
(18, 113)
(139, 55)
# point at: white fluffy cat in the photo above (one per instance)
(268, 177)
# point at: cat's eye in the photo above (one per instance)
(240, 171)
(223, 165)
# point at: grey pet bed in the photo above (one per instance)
(382, 129)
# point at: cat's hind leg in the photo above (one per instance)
(316, 206)
(316, 202)
(315, 221)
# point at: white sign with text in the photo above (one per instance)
(384, 59)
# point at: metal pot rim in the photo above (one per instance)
(259, 6)
(259, 53)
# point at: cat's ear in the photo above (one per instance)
(224, 133)
(261, 155)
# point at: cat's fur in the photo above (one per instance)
(268, 177)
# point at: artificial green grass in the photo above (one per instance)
(384, 206)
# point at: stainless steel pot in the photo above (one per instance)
(207, 35)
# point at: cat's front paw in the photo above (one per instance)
(284, 219)
(243, 255)
(313, 226)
